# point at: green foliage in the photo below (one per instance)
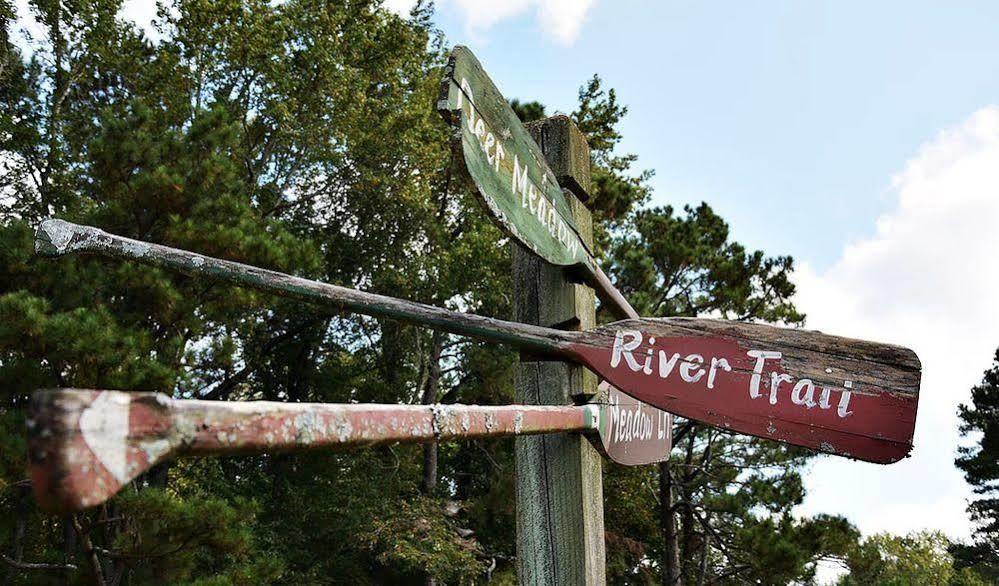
(528, 111)
(731, 496)
(980, 464)
(673, 265)
(916, 559)
(177, 538)
(616, 189)
(414, 538)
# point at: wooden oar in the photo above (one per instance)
(838, 395)
(84, 445)
(516, 186)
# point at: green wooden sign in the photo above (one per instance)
(513, 179)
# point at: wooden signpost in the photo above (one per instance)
(838, 395)
(86, 444)
(632, 432)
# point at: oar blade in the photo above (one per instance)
(838, 395)
(512, 178)
(84, 445)
(631, 432)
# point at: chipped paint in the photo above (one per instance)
(136, 248)
(104, 427)
(56, 234)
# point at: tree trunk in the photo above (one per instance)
(20, 523)
(667, 525)
(687, 513)
(430, 390)
(89, 552)
(68, 541)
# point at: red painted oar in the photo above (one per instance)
(84, 445)
(838, 395)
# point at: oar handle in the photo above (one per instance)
(58, 237)
(226, 427)
(609, 294)
(84, 445)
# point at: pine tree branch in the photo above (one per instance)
(37, 566)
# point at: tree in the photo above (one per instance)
(915, 559)
(980, 464)
(724, 501)
(253, 131)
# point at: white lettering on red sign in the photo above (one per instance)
(692, 369)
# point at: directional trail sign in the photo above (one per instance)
(838, 395)
(631, 432)
(512, 178)
(84, 445)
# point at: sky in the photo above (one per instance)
(860, 138)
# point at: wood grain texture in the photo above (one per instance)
(567, 153)
(876, 384)
(559, 477)
(84, 445)
(838, 395)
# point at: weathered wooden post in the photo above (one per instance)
(560, 521)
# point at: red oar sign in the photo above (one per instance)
(838, 395)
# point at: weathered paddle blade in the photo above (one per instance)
(85, 445)
(510, 172)
(631, 432)
(847, 397)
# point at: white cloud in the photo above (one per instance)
(928, 279)
(400, 7)
(142, 13)
(561, 19)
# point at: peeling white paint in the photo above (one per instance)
(59, 233)
(155, 449)
(104, 427)
(135, 247)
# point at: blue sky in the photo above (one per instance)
(861, 138)
(787, 117)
